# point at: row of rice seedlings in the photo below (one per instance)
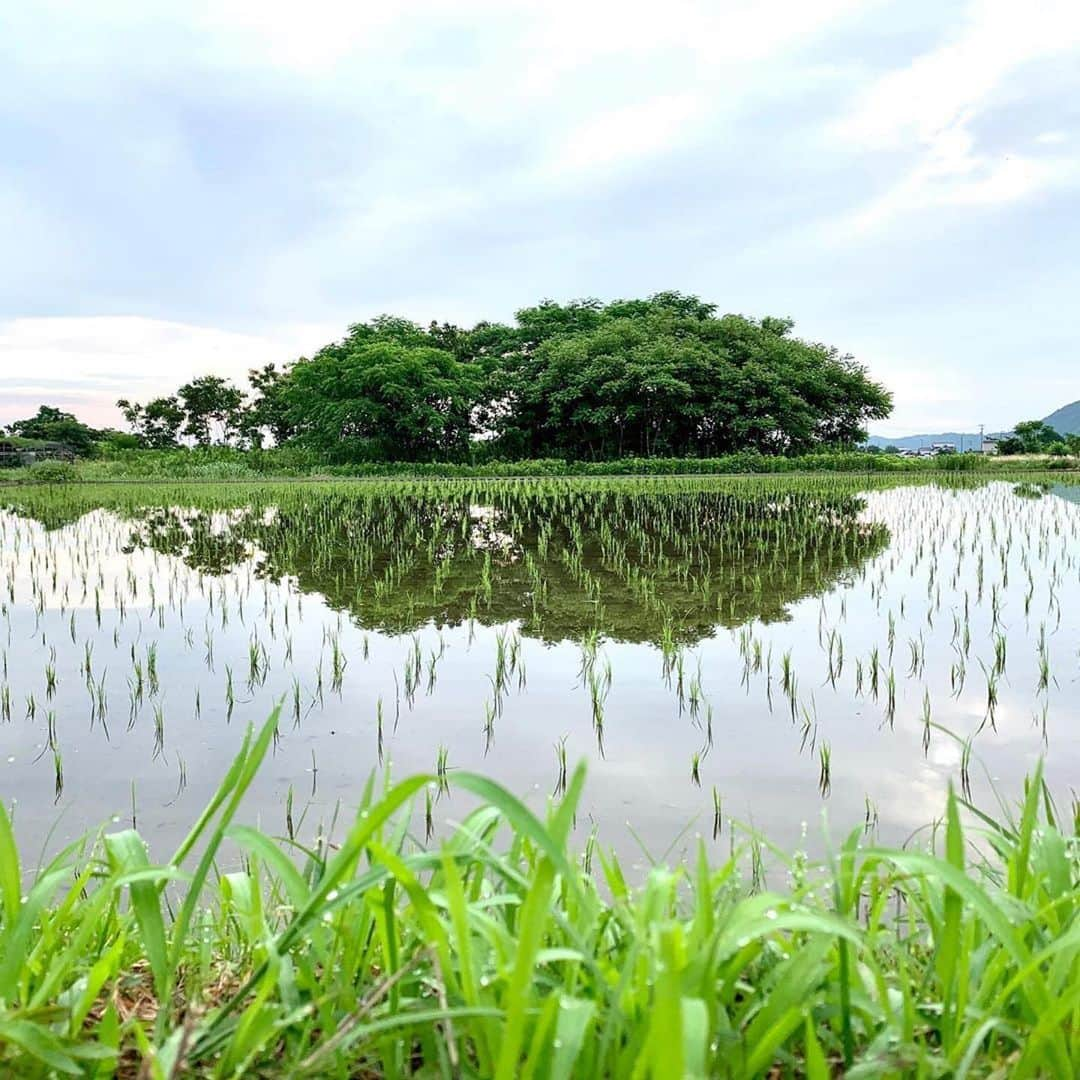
(668, 546)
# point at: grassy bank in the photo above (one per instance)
(505, 954)
(222, 463)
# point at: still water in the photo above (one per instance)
(784, 646)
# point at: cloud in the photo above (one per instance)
(899, 175)
(86, 364)
(927, 396)
(929, 109)
(940, 87)
(625, 135)
(953, 174)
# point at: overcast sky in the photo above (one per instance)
(187, 188)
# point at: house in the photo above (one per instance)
(15, 452)
(989, 445)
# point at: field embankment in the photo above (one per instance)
(222, 464)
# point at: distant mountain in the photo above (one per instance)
(961, 440)
(1066, 421)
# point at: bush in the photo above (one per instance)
(222, 463)
(51, 472)
(959, 462)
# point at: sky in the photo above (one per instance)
(189, 188)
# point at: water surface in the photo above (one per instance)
(686, 638)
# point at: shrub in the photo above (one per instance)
(51, 472)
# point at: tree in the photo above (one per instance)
(157, 423)
(1029, 437)
(268, 411)
(664, 375)
(667, 376)
(384, 393)
(212, 407)
(53, 425)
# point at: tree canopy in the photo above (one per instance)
(157, 423)
(385, 392)
(667, 376)
(663, 375)
(53, 425)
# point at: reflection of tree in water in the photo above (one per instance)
(211, 542)
(637, 565)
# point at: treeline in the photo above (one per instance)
(663, 376)
(1038, 437)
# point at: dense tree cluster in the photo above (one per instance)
(1038, 437)
(660, 376)
(52, 425)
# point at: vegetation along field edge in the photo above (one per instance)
(359, 952)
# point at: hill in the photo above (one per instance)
(961, 440)
(1066, 421)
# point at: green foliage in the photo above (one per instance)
(208, 410)
(680, 535)
(958, 462)
(268, 412)
(211, 404)
(500, 954)
(296, 460)
(665, 376)
(157, 424)
(50, 472)
(583, 381)
(1030, 437)
(383, 393)
(54, 426)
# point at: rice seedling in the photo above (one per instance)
(1000, 654)
(58, 775)
(965, 768)
(824, 769)
(560, 759)
(870, 819)
(230, 693)
(441, 776)
(827, 576)
(992, 680)
(159, 731)
(379, 729)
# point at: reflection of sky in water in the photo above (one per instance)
(921, 575)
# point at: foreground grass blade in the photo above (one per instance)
(500, 955)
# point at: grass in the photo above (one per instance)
(501, 954)
(216, 464)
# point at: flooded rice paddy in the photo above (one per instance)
(756, 649)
